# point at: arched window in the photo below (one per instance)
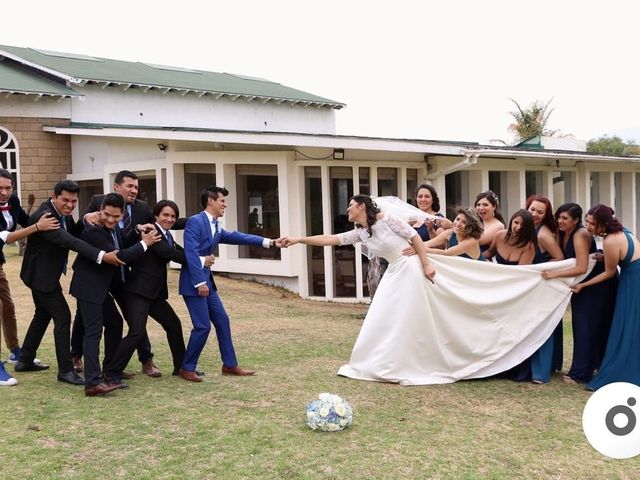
(9, 155)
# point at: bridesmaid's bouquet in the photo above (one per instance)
(329, 413)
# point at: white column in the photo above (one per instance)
(329, 277)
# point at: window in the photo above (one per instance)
(258, 207)
(88, 188)
(196, 177)
(344, 255)
(9, 155)
(412, 184)
(313, 214)
(387, 182)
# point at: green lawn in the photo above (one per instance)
(254, 427)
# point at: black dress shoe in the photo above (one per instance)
(30, 367)
(71, 377)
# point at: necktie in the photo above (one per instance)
(5, 208)
(126, 219)
(169, 238)
(63, 225)
(117, 245)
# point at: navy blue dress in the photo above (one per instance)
(453, 241)
(621, 362)
(591, 314)
(423, 231)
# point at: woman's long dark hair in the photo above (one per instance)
(603, 215)
(548, 219)
(527, 232)
(573, 209)
(371, 210)
(435, 204)
(492, 198)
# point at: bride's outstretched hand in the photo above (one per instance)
(429, 272)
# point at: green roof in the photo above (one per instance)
(82, 69)
(15, 79)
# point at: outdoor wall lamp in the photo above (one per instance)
(162, 146)
(338, 154)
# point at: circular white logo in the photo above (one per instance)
(610, 420)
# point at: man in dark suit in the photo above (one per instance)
(95, 286)
(11, 215)
(45, 259)
(146, 293)
(136, 212)
(202, 235)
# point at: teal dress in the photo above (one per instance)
(453, 241)
(548, 358)
(621, 362)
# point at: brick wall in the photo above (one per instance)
(44, 157)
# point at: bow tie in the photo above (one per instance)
(5, 208)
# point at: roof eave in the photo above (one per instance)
(37, 66)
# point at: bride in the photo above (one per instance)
(470, 321)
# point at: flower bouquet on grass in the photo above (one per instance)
(329, 413)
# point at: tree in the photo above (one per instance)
(606, 145)
(532, 121)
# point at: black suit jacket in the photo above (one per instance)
(92, 281)
(20, 217)
(148, 274)
(47, 252)
(140, 212)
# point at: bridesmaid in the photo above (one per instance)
(548, 358)
(487, 208)
(591, 312)
(621, 361)
(515, 245)
(463, 239)
(428, 201)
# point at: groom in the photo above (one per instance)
(202, 235)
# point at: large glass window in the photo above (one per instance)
(88, 188)
(364, 179)
(313, 215)
(412, 184)
(258, 207)
(533, 183)
(344, 257)
(563, 188)
(387, 182)
(147, 189)
(196, 177)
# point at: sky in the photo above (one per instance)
(441, 70)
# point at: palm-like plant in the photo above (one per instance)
(532, 121)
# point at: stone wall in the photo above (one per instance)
(44, 157)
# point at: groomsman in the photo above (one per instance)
(45, 260)
(11, 215)
(202, 235)
(136, 212)
(147, 293)
(95, 286)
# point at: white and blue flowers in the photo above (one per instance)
(329, 413)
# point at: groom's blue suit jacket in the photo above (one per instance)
(199, 242)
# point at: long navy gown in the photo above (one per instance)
(591, 314)
(621, 361)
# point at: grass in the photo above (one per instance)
(254, 428)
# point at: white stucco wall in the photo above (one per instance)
(133, 107)
(27, 106)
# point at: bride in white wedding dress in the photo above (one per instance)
(471, 320)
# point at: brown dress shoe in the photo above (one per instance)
(237, 371)
(77, 364)
(100, 389)
(187, 375)
(128, 375)
(149, 368)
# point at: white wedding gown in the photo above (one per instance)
(477, 319)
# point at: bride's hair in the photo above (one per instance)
(371, 210)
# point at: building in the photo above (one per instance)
(274, 147)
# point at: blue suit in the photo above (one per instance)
(198, 242)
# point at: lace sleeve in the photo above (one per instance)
(399, 226)
(350, 237)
